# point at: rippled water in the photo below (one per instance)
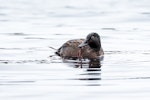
(30, 70)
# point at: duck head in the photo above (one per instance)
(92, 40)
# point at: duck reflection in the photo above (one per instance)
(94, 63)
(90, 64)
(91, 73)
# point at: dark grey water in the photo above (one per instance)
(28, 69)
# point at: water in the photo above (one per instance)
(28, 69)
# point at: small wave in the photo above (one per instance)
(128, 52)
(24, 61)
(38, 38)
(130, 78)
(18, 34)
(114, 29)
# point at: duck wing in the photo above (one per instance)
(69, 46)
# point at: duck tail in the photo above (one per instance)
(58, 52)
(52, 48)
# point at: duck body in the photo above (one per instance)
(79, 48)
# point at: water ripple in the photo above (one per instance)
(129, 52)
(24, 61)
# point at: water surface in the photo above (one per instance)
(30, 70)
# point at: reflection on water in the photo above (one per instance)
(84, 63)
(91, 73)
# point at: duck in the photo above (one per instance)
(88, 48)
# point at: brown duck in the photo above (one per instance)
(89, 48)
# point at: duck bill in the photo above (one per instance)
(83, 44)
